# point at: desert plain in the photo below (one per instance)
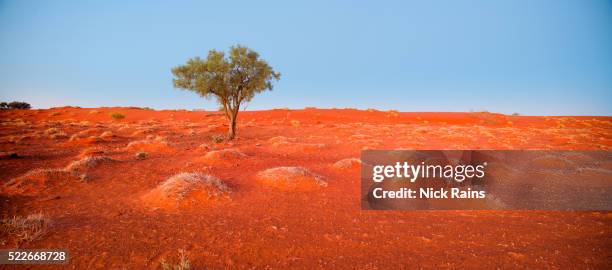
(146, 187)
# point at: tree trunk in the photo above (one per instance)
(232, 126)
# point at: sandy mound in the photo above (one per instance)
(81, 166)
(149, 145)
(291, 146)
(92, 151)
(35, 181)
(107, 135)
(187, 188)
(280, 139)
(77, 139)
(347, 164)
(223, 156)
(291, 178)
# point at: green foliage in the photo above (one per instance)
(117, 116)
(17, 105)
(232, 80)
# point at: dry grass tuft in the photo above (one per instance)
(79, 167)
(25, 229)
(92, 151)
(107, 135)
(180, 185)
(51, 131)
(347, 163)
(58, 135)
(291, 178)
(223, 155)
(182, 264)
(217, 138)
(158, 144)
(187, 189)
(34, 181)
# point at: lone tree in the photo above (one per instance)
(232, 81)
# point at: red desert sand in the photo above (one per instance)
(129, 193)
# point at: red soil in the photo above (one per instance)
(105, 223)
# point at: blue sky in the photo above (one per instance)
(532, 57)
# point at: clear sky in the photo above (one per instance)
(532, 57)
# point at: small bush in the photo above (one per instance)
(54, 114)
(141, 155)
(516, 114)
(117, 116)
(17, 105)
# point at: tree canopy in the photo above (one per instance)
(232, 80)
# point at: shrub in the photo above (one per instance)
(141, 155)
(54, 114)
(17, 105)
(117, 116)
